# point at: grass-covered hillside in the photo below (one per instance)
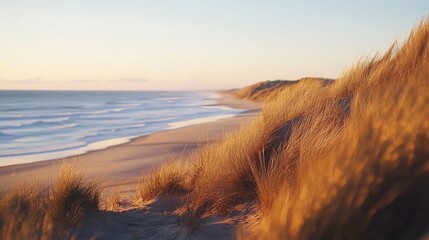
(345, 160)
(268, 89)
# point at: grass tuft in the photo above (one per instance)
(113, 200)
(192, 218)
(73, 197)
(168, 179)
(22, 212)
(30, 211)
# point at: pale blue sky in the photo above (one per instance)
(176, 45)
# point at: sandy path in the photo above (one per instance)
(156, 220)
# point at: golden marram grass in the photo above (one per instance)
(341, 160)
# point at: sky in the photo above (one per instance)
(191, 44)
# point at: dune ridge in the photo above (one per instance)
(267, 89)
(332, 161)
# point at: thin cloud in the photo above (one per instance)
(128, 80)
(80, 81)
(131, 80)
(20, 81)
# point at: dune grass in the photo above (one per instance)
(267, 90)
(22, 212)
(361, 170)
(113, 200)
(192, 218)
(168, 179)
(343, 160)
(73, 197)
(30, 211)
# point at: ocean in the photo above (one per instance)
(42, 125)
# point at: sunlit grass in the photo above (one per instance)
(31, 211)
(333, 161)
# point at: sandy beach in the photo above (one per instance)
(123, 164)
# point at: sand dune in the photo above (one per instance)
(156, 220)
(262, 90)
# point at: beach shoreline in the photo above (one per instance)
(124, 163)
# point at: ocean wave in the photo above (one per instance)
(44, 149)
(13, 116)
(95, 112)
(90, 136)
(166, 119)
(103, 117)
(71, 107)
(33, 129)
(112, 103)
(46, 121)
(62, 114)
(126, 127)
(33, 122)
(150, 121)
(123, 113)
(119, 109)
(72, 125)
(129, 104)
(132, 126)
(56, 120)
(4, 136)
(166, 98)
(80, 113)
